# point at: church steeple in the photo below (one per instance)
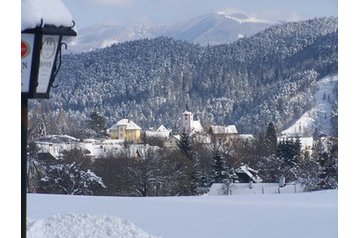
(187, 121)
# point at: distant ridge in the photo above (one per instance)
(214, 28)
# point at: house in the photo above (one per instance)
(306, 143)
(250, 183)
(200, 137)
(160, 133)
(126, 130)
(223, 134)
(171, 142)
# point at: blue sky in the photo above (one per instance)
(138, 12)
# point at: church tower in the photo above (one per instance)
(187, 121)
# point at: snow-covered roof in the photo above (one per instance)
(197, 126)
(246, 136)
(224, 129)
(247, 170)
(305, 141)
(129, 124)
(176, 137)
(186, 112)
(57, 139)
(51, 12)
(158, 134)
(162, 128)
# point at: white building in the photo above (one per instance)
(126, 130)
(161, 133)
(188, 123)
(224, 134)
(171, 142)
(306, 143)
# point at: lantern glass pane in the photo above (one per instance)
(47, 59)
(27, 45)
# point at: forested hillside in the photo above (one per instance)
(270, 76)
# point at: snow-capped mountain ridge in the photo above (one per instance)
(240, 17)
(101, 36)
(213, 28)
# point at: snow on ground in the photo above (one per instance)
(300, 215)
(77, 226)
(320, 115)
(56, 145)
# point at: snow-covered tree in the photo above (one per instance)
(97, 123)
(328, 162)
(269, 168)
(142, 173)
(219, 166)
(69, 179)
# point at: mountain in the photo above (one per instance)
(270, 76)
(215, 28)
(101, 36)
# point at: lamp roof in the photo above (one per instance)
(35, 13)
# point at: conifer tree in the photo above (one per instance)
(97, 123)
(185, 145)
(270, 141)
(328, 161)
(219, 167)
(288, 153)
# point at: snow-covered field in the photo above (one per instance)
(300, 215)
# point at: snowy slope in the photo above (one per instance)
(214, 28)
(320, 114)
(301, 215)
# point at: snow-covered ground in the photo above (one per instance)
(56, 145)
(320, 115)
(300, 215)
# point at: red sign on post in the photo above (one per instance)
(25, 49)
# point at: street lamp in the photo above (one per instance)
(40, 62)
(40, 54)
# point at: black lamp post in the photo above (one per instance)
(40, 62)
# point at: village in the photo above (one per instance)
(127, 138)
(126, 134)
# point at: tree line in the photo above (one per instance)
(188, 170)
